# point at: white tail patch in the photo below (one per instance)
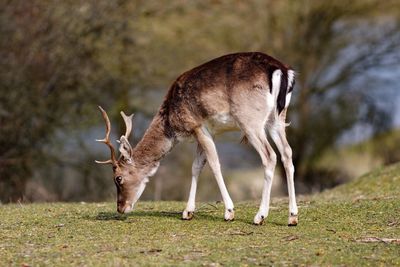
(276, 83)
(288, 97)
(291, 75)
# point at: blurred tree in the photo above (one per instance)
(339, 49)
(49, 76)
(59, 59)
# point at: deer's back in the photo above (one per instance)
(213, 89)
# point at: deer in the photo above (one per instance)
(248, 92)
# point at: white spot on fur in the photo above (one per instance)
(142, 186)
(153, 171)
(224, 118)
(220, 123)
(139, 192)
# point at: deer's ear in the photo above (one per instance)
(125, 148)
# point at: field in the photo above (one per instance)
(354, 224)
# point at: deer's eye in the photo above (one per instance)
(114, 168)
(118, 180)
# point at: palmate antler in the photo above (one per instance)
(106, 140)
(128, 124)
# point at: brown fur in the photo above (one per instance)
(154, 144)
(211, 88)
(195, 94)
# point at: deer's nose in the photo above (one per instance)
(124, 207)
(121, 206)
(120, 209)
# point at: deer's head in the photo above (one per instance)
(129, 179)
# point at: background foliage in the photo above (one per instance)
(62, 58)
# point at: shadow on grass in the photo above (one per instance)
(200, 216)
(276, 223)
(113, 216)
(213, 214)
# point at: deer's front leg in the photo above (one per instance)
(205, 140)
(197, 166)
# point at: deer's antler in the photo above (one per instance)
(106, 140)
(128, 124)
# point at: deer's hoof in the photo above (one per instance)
(187, 215)
(293, 220)
(258, 219)
(229, 215)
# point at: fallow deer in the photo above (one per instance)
(245, 91)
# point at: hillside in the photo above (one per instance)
(353, 224)
(357, 159)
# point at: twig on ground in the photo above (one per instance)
(241, 233)
(393, 223)
(290, 238)
(206, 204)
(378, 239)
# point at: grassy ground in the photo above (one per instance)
(355, 224)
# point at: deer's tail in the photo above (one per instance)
(282, 87)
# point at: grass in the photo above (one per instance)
(355, 224)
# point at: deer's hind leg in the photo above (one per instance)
(278, 134)
(257, 137)
(251, 113)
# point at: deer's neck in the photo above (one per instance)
(154, 145)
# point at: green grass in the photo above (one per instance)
(331, 231)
